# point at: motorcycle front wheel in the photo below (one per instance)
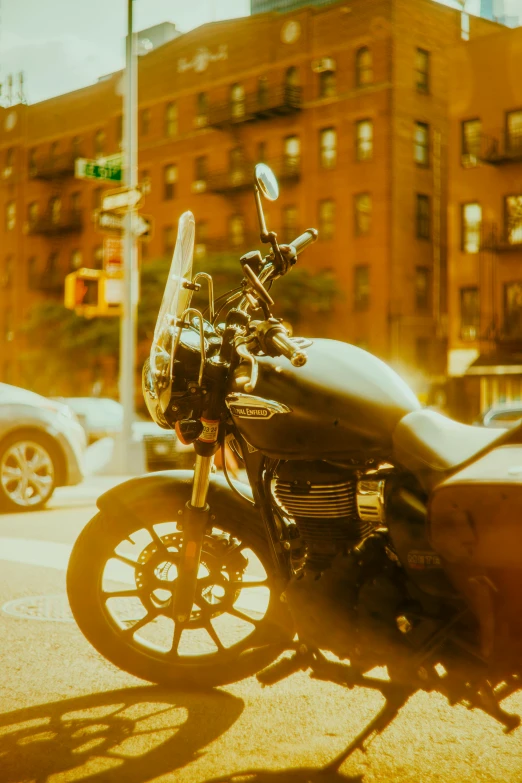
(121, 581)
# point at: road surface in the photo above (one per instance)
(68, 715)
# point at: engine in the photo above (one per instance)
(333, 509)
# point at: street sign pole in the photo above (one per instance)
(130, 253)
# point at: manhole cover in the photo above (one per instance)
(40, 607)
(55, 608)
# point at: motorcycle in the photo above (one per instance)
(371, 532)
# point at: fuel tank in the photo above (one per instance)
(344, 400)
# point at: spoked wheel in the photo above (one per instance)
(121, 584)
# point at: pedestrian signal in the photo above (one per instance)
(88, 293)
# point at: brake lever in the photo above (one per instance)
(243, 351)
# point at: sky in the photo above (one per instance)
(62, 45)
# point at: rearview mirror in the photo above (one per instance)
(266, 182)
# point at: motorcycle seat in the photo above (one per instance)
(427, 442)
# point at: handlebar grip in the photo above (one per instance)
(287, 348)
(305, 239)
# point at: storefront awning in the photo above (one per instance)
(496, 364)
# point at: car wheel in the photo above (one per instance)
(27, 472)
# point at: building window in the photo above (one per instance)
(10, 216)
(514, 131)
(513, 216)
(53, 152)
(363, 67)
(75, 202)
(145, 122)
(200, 248)
(145, 182)
(291, 154)
(422, 70)
(471, 135)
(55, 209)
(97, 257)
(97, 195)
(421, 144)
(76, 259)
(171, 119)
(422, 288)
(9, 162)
(169, 240)
(328, 147)
(75, 146)
(289, 221)
(201, 109)
(327, 84)
(471, 227)
(52, 266)
(292, 83)
(364, 140)
(262, 91)
(7, 277)
(469, 313)
(31, 162)
(33, 211)
(201, 168)
(423, 216)
(99, 143)
(237, 100)
(326, 218)
(363, 213)
(261, 152)
(236, 230)
(361, 287)
(170, 178)
(513, 309)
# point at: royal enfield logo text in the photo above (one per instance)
(250, 413)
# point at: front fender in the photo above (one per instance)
(169, 491)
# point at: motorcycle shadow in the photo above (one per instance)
(131, 735)
(292, 775)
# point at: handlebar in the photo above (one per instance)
(305, 239)
(286, 347)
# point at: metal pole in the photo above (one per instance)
(130, 250)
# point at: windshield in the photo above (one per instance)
(175, 301)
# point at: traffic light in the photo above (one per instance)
(89, 293)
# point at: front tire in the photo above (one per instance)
(233, 631)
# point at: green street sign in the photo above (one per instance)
(108, 170)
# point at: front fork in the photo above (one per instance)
(195, 520)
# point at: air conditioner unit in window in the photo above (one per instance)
(7, 172)
(324, 64)
(200, 121)
(199, 186)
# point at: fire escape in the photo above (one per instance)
(231, 117)
(55, 222)
(501, 241)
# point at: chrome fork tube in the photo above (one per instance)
(201, 481)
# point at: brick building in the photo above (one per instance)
(485, 222)
(348, 103)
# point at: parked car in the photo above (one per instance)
(503, 415)
(102, 417)
(42, 446)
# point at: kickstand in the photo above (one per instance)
(490, 704)
(388, 712)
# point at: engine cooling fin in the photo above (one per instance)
(322, 501)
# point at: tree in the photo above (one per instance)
(65, 354)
